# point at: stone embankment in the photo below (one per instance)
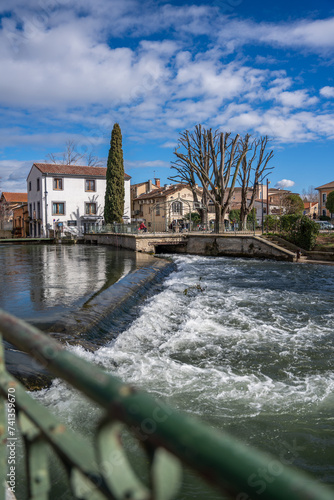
(244, 245)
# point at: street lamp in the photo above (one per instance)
(262, 203)
(268, 182)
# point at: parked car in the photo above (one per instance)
(324, 224)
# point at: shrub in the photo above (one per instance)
(300, 230)
(272, 223)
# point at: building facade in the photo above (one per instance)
(324, 191)
(68, 199)
(164, 208)
(311, 209)
(21, 221)
(8, 203)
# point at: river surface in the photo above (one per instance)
(245, 345)
(44, 283)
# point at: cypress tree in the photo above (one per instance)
(114, 197)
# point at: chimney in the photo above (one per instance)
(149, 188)
(157, 182)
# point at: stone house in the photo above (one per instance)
(21, 221)
(8, 202)
(311, 209)
(163, 207)
(324, 191)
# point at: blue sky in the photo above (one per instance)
(71, 69)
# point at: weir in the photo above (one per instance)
(102, 470)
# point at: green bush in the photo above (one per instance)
(234, 215)
(272, 223)
(300, 230)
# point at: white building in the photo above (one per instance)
(68, 198)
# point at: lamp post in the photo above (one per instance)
(262, 204)
(268, 182)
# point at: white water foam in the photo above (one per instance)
(239, 346)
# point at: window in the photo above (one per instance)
(177, 207)
(38, 184)
(90, 208)
(29, 185)
(57, 184)
(157, 209)
(38, 210)
(90, 185)
(71, 223)
(324, 197)
(58, 208)
(30, 209)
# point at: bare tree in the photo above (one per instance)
(253, 168)
(196, 157)
(310, 195)
(94, 161)
(213, 159)
(72, 157)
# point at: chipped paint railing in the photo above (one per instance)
(103, 470)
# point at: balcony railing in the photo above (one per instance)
(103, 471)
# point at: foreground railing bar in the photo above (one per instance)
(73, 451)
(216, 456)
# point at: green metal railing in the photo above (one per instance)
(103, 470)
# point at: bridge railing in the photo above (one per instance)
(103, 470)
(162, 227)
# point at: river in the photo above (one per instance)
(245, 345)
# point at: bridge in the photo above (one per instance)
(222, 244)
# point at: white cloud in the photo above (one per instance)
(13, 175)
(64, 74)
(327, 91)
(312, 35)
(284, 184)
(296, 99)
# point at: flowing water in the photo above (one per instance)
(245, 345)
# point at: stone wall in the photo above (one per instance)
(206, 244)
(116, 240)
(236, 246)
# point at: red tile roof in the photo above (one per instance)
(307, 204)
(157, 193)
(15, 197)
(326, 186)
(53, 168)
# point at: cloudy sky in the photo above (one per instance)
(70, 69)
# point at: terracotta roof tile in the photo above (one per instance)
(160, 192)
(15, 197)
(53, 168)
(326, 186)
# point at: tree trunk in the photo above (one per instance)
(219, 221)
(243, 221)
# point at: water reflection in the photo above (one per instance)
(42, 283)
